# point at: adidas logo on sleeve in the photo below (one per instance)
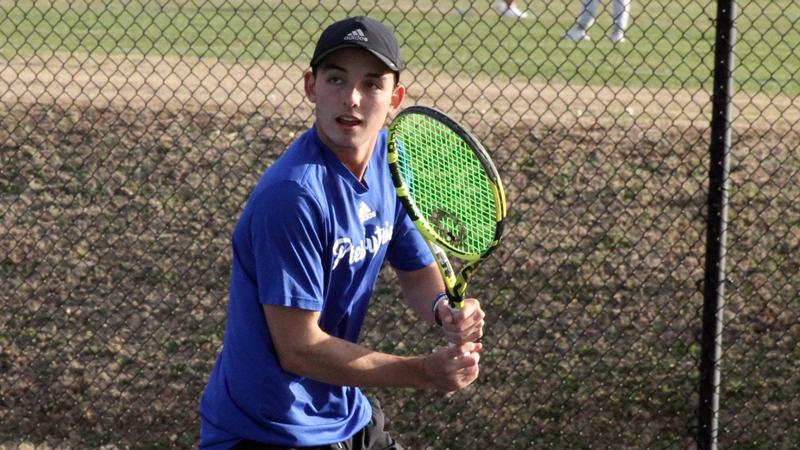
(356, 35)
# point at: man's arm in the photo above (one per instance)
(420, 288)
(305, 349)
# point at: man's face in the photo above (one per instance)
(354, 93)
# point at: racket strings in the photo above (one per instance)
(448, 183)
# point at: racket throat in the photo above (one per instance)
(455, 285)
(457, 291)
(455, 295)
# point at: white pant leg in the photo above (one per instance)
(589, 13)
(622, 13)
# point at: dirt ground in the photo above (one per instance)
(122, 178)
(191, 84)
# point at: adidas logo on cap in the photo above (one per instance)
(356, 35)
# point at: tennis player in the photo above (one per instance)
(307, 250)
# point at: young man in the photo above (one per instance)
(307, 251)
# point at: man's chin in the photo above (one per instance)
(345, 141)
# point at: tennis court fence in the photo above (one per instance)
(646, 293)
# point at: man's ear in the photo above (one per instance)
(309, 84)
(398, 95)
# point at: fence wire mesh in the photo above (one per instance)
(132, 132)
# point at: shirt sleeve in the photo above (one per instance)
(287, 245)
(407, 250)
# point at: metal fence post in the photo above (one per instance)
(714, 288)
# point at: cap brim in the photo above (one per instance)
(383, 59)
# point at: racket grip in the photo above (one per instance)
(455, 311)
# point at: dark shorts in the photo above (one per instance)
(371, 437)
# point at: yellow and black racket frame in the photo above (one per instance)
(455, 284)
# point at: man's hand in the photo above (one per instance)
(462, 325)
(452, 368)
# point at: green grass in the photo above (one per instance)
(670, 43)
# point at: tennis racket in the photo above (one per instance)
(450, 189)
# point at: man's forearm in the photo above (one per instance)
(305, 349)
(336, 361)
(420, 287)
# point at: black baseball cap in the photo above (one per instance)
(360, 32)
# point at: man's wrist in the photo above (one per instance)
(440, 297)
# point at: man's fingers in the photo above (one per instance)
(465, 354)
(471, 334)
(455, 367)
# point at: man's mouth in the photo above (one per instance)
(348, 120)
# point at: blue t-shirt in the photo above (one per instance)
(313, 237)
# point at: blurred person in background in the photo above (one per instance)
(621, 10)
(509, 8)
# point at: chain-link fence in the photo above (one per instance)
(132, 132)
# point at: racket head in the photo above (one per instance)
(447, 182)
